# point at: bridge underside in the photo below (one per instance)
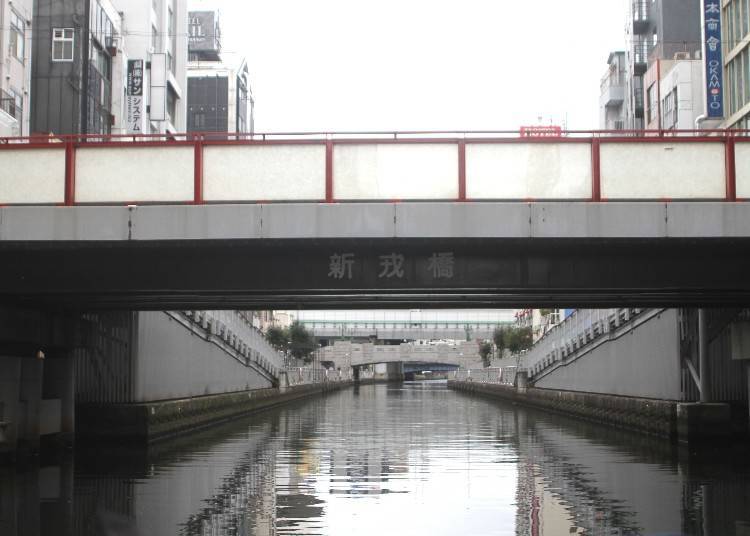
(376, 273)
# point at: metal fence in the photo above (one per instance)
(499, 375)
(306, 375)
(582, 327)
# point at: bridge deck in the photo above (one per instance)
(148, 223)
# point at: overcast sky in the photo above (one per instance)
(422, 64)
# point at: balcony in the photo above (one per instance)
(612, 90)
(640, 17)
(9, 106)
(640, 57)
(11, 117)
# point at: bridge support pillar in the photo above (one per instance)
(704, 371)
(703, 421)
(29, 397)
(59, 384)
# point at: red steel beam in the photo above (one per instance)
(596, 170)
(329, 171)
(731, 169)
(462, 170)
(70, 174)
(198, 172)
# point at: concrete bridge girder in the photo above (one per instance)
(514, 254)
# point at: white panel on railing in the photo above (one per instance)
(387, 171)
(32, 176)
(528, 170)
(742, 168)
(662, 170)
(134, 174)
(264, 173)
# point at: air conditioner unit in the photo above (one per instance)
(682, 56)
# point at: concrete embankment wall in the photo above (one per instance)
(148, 356)
(640, 360)
(151, 421)
(176, 363)
(656, 417)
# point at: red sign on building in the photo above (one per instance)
(550, 131)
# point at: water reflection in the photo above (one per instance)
(408, 459)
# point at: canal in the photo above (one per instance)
(411, 458)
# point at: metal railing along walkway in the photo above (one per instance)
(499, 375)
(376, 166)
(581, 329)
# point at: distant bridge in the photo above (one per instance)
(404, 330)
(344, 354)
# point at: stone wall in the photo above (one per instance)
(656, 417)
(145, 422)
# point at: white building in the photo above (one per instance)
(676, 99)
(15, 68)
(155, 32)
(220, 98)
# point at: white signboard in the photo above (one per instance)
(158, 111)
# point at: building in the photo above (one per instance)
(219, 94)
(655, 29)
(74, 66)
(674, 94)
(89, 54)
(15, 68)
(736, 58)
(612, 104)
(156, 38)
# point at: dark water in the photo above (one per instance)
(399, 459)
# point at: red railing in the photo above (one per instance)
(330, 139)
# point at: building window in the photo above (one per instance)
(62, 44)
(652, 104)
(670, 110)
(172, 31)
(172, 106)
(199, 121)
(17, 35)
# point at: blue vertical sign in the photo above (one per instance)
(712, 55)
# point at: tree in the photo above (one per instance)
(295, 340)
(519, 339)
(485, 352)
(513, 339)
(277, 338)
(302, 344)
(499, 337)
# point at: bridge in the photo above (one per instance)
(389, 325)
(481, 219)
(345, 354)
